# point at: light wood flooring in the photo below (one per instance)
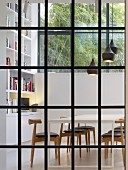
(87, 159)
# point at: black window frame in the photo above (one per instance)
(72, 68)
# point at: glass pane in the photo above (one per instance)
(29, 14)
(28, 117)
(86, 47)
(28, 87)
(59, 48)
(59, 14)
(115, 40)
(113, 87)
(113, 158)
(88, 160)
(86, 126)
(42, 14)
(38, 160)
(86, 88)
(9, 47)
(113, 14)
(39, 87)
(9, 126)
(41, 48)
(85, 15)
(59, 89)
(60, 123)
(11, 159)
(109, 123)
(9, 12)
(65, 159)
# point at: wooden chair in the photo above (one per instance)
(68, 132)
(88, 129)
(39, 137)
(118, 137)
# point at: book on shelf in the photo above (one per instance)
(13, 83)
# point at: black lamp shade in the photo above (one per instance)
(108, 55)
(113, 47)
(92, 71)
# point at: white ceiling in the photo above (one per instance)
(65, 1)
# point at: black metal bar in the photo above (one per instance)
(46, 88)
(19, 84)
(72, 84)
(65, 107)
(62, 146)
(99, 85)
(62, 67)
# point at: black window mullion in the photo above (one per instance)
(19, 84)
(46, 89)
(99, 85)
(72, 83)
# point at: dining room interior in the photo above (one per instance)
(63, 84)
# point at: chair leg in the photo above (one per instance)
(32, 156)
(80, 144)
(94, 136)
(59, 156)
(111, 144)
(89, 139)
(86, 139)
(70, 142)
(55, 151)
(67, 143)
(105, 152)
(123, 155)
(58, 142)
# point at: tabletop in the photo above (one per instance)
(86, 118)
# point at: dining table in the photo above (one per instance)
(86, 119)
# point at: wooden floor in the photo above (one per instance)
(87, 159)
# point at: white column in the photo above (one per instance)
(126, 85)
(2, 86)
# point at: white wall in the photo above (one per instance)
(86, 94)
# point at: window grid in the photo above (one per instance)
(72, 68)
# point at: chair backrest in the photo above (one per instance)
(121, 121)
(62, 125)
(35, 122)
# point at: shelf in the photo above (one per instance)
(27, 55)
(22, 71)
(26, 20)
(12, 31)
(26, 37)
(10, 49)
(16, 91)
(9, 10)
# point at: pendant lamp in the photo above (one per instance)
(92, 72)
(112, 44)
(108, 55)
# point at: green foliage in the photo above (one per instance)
(86, 44)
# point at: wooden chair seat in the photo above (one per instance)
(75, 130)
(42, 134)
(85, 127)
(109, 134)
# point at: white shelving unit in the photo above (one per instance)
(12, 54)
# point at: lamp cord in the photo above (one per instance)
(112, 20)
